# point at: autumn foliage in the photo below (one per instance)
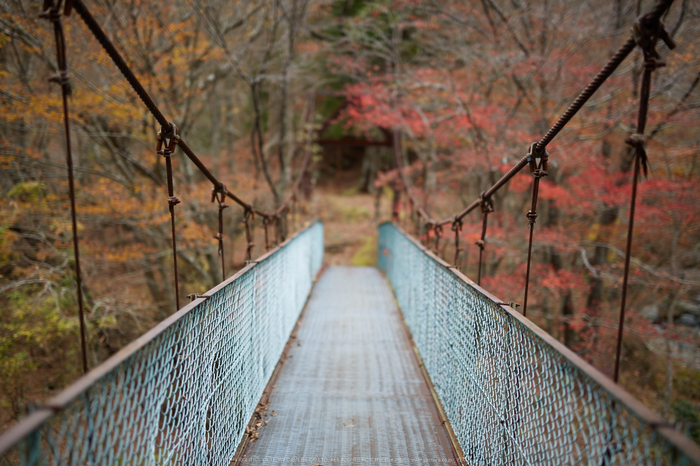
(470, 85)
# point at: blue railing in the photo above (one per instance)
(184, 392)
(511, 392)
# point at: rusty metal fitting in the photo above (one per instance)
(532, 217)
(218, 194)
(636, 140)
(647, 30)
(538, 169)
(457, 225)
(248, 213)
(51, 12)
(169, 138)
(539, 173)
(486, 204)
(173, 201)
(481, 244)
(218, 236)
(665, 37)
(62, 78)
(653, 63)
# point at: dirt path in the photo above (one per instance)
(348, 219)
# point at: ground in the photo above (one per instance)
(349, 220)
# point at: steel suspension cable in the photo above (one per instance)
(136, 85)
(648, 30)
(578, 103)
(248, 216)
(52, 12)
(169, 140)
(395, 201)
(538, 171)
(220, 197)
(457, 228)
(486, 204)
(266, 224)
(169, 132)
(437, 229)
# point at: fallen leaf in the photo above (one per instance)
(348, 425)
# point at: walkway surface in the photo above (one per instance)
(352, 391)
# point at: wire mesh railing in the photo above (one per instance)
(184, 392)
(512, 393)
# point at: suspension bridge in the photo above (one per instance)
(290, 362)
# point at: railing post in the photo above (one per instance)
(647, 31)
(396, 200)
(219, 195)
(53, 13)
(538, 171)
(486, 204)
(457, 228)
(168, 136)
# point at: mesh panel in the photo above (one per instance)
(186, 394)
(511, 396)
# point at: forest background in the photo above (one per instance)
(469, 85)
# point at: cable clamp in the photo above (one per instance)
(218, 194)
(539, 170)
(647, 30)
(248, 213)
(168, 138)
(486, 204)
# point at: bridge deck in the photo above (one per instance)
(352, 390)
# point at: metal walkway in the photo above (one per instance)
(351, 391)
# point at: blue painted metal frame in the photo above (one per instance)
(512, 393)
(183, 392)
